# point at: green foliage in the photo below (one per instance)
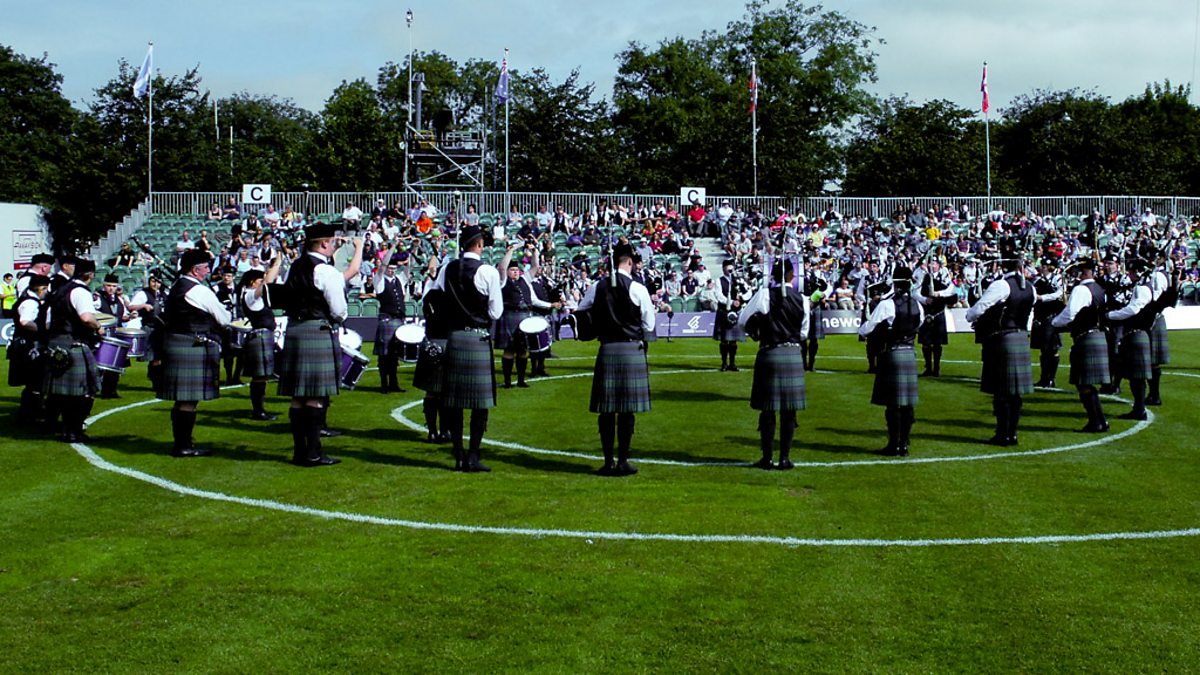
(35, 124)
(354, 151)
(273, 139)
(903, 148)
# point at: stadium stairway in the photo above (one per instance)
(710, 249)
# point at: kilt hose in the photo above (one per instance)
(1160, 349)
(621, 379)
(895, 377)
(311, 363)
(933, 330)
(258, 353)
(1089, 359)
(23, 369)
(468, 379)
(724, 331)
(1134, 355)
(778, 379)
(81, 379)
(386, 343)
(427, 374)
(507, 333)
(191, 368)
(1007, 366)
(816, 327)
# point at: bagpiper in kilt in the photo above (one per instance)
(1002, 317)
(1137, 317)
(780, 321)
(1089, 353)
(149, 303)
(726, 329)
(26, 349)
(471, 302)
(258, 350)
(231, 353)
(542, 291)
(1165, 294)
(309, 367)
(427, 375)
(937, 293)
(1117, 289)
(623, 315)
(195, 320)
(1043, 337)
(895, 322)
(815, 289)
(110, 301)
(71, 377)
(388, 287)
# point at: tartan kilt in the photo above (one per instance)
(895, 377)
(427, 374)
(258, 353)
(81, 379)
(933, 330)
(621, 379)
(816, 327)
(1089, 359)
(1007, 365)
(23, 370)
(468, 374)
(1044, 337)
(311, 363)
(385, 337)
(1160, 349)
(778, 379)
(724, 331)
(1135, 360)
(191, 371)
(506, 327)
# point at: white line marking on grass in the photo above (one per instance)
(398, 415)
(100, 463)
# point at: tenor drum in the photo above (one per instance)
(105, 320)
(410, 336)
(112, 355)
(238, 332)
(537, 333)
(138, 340)
(354, 364)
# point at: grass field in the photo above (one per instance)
(101, 571)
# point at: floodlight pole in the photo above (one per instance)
(408, 18)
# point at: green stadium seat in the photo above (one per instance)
(353, 308)
(370, 307)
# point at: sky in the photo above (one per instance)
(302, 49)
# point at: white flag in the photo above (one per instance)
(143, 79)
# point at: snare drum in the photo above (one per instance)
(238, 332)
(349, 339)
(112, 355)
(410, 336)
(138, 340)
(537, 333)
(354, 364)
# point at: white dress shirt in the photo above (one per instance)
(638, 295)
(332, 284)
(996, 293)
(202, 297)
(885, 312)
(487, 282)
(1141, 297)
(1079, 300)
(760, 303)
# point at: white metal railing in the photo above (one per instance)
(325, 203)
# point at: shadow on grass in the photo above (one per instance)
(693, 396)
(127, 444)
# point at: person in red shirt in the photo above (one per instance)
(696, 216)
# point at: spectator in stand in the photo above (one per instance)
(472, 217)
(380, 211)
(271, 218)
(696, 216)
(126, 256)
(544, 218)
(689, 287)
(352, 216)
(185, 243)
(708, 297)
(231, 210)
(515, 219)
(214, 212)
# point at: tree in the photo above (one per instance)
(354, 150)
(1060, 143)
(904, 148)
(273, 141)
(35, 127)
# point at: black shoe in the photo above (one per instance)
(724, 367)
(477, 466)
(110, 395)
(1094, 428)
(444, 437)
(764, 464)
(331, 433)
(997, 440)
(507, 385)
(785, 465)
(191, 452)
(1134, 415)
(1154, 401)
(926, 373)
(609, 469)
(902, 451)
(734, 369)
(1110, 390)
(232, 382)
(1012, 440)
(431, 438)
(624, 468)
(323, 460)
(523, 385)
(263, 416)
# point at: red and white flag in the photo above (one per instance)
(753, 86)
(984, 88)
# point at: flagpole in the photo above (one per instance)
(150, 136)
(754, 123)
(987, 138)
(507, 198)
